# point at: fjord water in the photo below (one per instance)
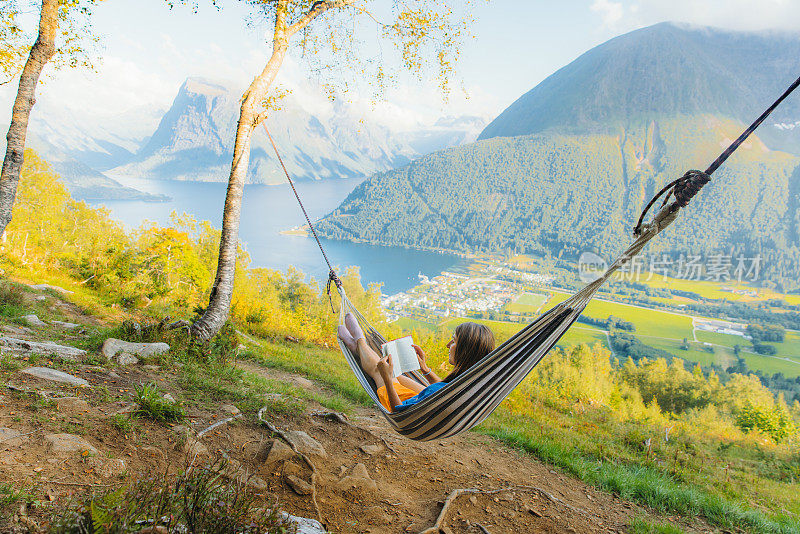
(269, 209)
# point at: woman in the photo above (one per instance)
(470, 343)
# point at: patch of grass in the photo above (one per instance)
(640, 525)
(12, 299)
(200, 499)
(10, 495)
(9, 363)
(152, 404)
(642, 483)
(123, 423)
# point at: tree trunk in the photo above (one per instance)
(41, 52)
(222, 291)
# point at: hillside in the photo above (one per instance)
(562, 171)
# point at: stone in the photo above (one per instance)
(15, 330)
(169, 398)
(371, 450)
(306, 444)
(230, 409)
(150, 368)
(303, 382)
(128, 353)
(33, 320)
(357, 479)
(45, 373)
(72, 404)
(9, 436)
(67, 443)
(107, 467)
(257, 483)
(274, 451)
(304, 525)
(40, 298)
(43, 287)
(66, 326)
(379, 516)
(46, 348)
(300, 486)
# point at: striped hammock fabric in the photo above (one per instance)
(470, 398)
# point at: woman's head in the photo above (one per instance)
(470, 343)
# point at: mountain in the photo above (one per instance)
(194, 140)
(571, 172)
(664, 71)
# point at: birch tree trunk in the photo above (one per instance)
(41, 52)
(222, 291)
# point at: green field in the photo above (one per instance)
(526, 303)
(789, 349)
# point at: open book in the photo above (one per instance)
(404, 358)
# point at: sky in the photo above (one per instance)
(146, 51)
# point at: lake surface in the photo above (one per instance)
(269, 209)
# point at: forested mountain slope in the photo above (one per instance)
(569, 166)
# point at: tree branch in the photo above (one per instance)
(317, 9)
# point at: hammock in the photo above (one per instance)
(473, 396)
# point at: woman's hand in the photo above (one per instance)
(422, 359)
(386, 368)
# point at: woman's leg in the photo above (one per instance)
(410, 384)
(369, 361)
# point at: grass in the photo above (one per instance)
(526, 303)
(123, 423)
(641, 526)
(10, 495)
(153, 405)
(641, 483)
(200, 499)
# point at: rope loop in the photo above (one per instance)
(690, 184)
(332, 279)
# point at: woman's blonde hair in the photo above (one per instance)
(473, 342)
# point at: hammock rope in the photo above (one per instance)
(472, 396)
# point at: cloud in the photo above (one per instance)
(748, 15)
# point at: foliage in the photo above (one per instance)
(775, 333)
(775, 421)
(152, 404)
(200, 499)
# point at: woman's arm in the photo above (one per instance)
(387, 374)
(427, 372)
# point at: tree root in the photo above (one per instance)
(217, 425)
(305, 458)
(455, 494)
(342, 419)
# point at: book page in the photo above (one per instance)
(404, 358)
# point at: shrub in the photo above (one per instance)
(152, 404)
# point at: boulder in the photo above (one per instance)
(274, 451)
(33, 320)
(300, 486)
(128, 353)
(107, 467)
(45, 348)
(66, 443)
(357, 479)
(66, 326)
(305, 525)
(42, 287)
(230, 409)
(371, 450)
(306, 444)
(72, 404)
(45, 373)
(9, 436)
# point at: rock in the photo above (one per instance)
(66, 326)
(379, 516)
(358, 479)
(274, 451)
(300, 486)
(256, 482)
(125, 352)
(371, 450)
(107, 467)
(33, 320)
(303, 382)
(230, 409)
(72, 404)
(112, 374)
(473, 499)
(9, 436)
(42, 287)
(150, 368)
(67, 443)
(15, 330)
(305, 525)
(169, 398)
(46, 348)
(40, 298)
(46, 373)
(306, 444)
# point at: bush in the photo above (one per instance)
(152, 404)
(775, 421)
